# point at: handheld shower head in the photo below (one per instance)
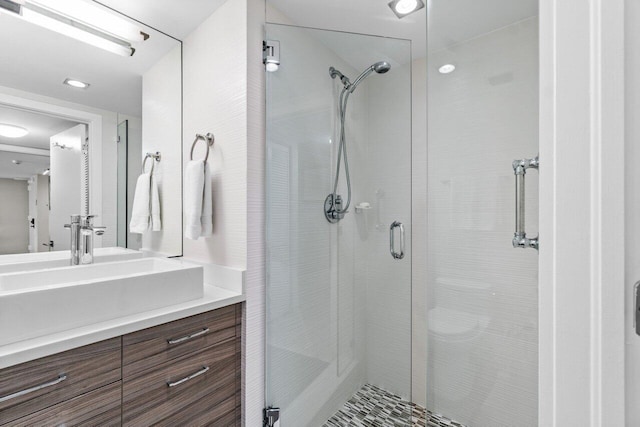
(381, 67)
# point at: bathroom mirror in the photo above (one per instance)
(85, 93)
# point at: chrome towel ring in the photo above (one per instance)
(208, 138)
(156, 158)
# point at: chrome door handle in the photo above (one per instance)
(520, 239)
(392, 240)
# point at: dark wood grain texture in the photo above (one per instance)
(124, 380)
(101, 407)
(146, 349)
(87, 368)
(148, 400)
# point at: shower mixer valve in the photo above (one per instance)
(333, 208)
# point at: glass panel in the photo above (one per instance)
(482, 292)
(123, 143)
(338, 303)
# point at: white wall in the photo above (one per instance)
(483, 294)
(14, 226)
(162, 131)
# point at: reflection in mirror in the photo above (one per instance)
(92, 88)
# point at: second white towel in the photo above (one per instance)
(146, 205)
(198, 203)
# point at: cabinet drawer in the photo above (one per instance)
(146, 349)
(100, 407)
(201, 381)
(41, 383)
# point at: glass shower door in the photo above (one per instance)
(338, 301)
(482, 292)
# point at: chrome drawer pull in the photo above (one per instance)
(188, 337)
(190, 377)
(58, 380)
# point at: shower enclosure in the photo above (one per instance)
(338, 289)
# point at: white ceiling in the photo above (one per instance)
(176, 18)
(449, 21)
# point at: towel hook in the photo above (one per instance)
(156, 158)
(208, 138)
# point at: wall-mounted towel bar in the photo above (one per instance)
(156, 158)
(208, 138)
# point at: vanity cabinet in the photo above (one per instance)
(185, 372)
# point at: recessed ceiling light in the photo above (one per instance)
(12, 131)
(446, 69)
(76, 83)
(403, 8)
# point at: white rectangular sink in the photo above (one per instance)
(39, 260)
(42, 302)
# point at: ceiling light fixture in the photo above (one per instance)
(73, 19)
(76, 83)
(403, 8)
(12, 131)
(446, 69)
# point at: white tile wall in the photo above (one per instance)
(215, 100)
(161, 131)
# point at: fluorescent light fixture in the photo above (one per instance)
(76, 83)
(403, 8)
(75, 19)
(93, 15)
(12, 131)
(447, 68)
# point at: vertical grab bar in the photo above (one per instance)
(520, 239)
(392, 240)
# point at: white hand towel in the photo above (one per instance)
(140, 214)
(207, 204)
(194, 183)
(156, 223)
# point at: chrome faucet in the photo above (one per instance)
(82, 231)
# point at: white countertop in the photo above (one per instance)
(214, 297)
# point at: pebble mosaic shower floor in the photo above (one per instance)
(374, 407)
